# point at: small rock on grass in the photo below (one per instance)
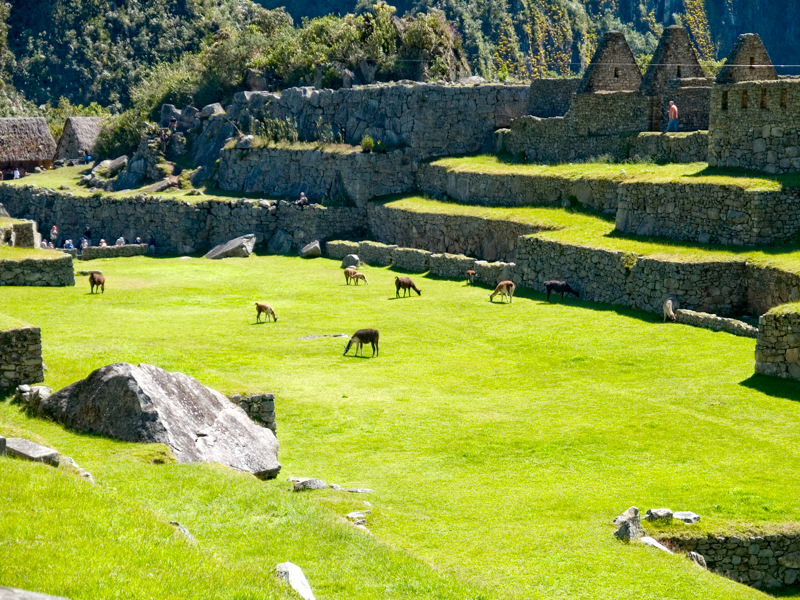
(336, 486)
(308, 483)
(698, 559)
(630, 525)
(295, 577)
(82, 473)
(648, 541)
(659, 514)
(359, 490)
(28, 450)
(686, 516)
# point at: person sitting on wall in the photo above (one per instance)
(138, 240)
(84, 243)
(302, 201)
(43, 245)
(120, 241)
(69, 245)
(103, 243)
(672, 124)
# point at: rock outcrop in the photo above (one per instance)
(146, 404)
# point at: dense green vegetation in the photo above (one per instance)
(500, 440)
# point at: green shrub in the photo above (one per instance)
(367, 144)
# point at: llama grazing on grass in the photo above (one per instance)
(261, 307)
(405, 284)
(471, 277)
(360, 276)
(559, 287)
(505, 289)
(671, 304)
(96, 280)
(349, 273)
(361, 337)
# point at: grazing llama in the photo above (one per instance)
(361, 337)
(349, 273)
(671, 304)
(559, 287)
(471, 277)
(360, 276)
(96, 280)
(261, 307)
(505, 289)
(405, 284)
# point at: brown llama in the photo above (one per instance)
(471, 277)
(96, 280)
(505, 289)
(261, 307)
(405, 284)
(349, 273)
(361, 337)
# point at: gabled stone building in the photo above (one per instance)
(80, 133)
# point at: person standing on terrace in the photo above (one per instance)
(672, 124)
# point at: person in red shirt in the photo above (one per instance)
(672, 125)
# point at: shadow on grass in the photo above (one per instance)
(774, 387)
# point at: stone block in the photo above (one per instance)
(338, 249)
(376, 254)
(27, 450)
(411, 260)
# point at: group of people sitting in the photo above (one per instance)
(9, 173)
(86, 241)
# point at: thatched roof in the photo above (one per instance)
(26, 139)
(79, 133)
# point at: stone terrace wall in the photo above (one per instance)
(764, 562)
(483, 238)
(432, 119)
(513, 190)
(768, 287)
(756, 125)
(93, 252)
(260, 408)
(54, 272)
(713, 214)
(551, 97)
(670, 148)
(596, 124)
(356, 176)
(778, 345)
(618, 278)
(180, 227)
(20, 357)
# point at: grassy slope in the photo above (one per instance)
(598, 232)
(500, 439)
(691, 173)
(14, 253)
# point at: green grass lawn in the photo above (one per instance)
(689, 173)
(500, 440)
(15, 253)
(597, 231)
(70, 177)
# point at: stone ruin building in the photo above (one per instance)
(80, 133)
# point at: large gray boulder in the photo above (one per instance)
(4, 212)
(7, 593)
(146, 404)
(280, 242)
(351, 260)
(241, 247)
(312, 250)
(117, 165)
(126, 181)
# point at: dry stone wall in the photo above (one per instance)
(20, 357)
(431, 119)
(178, 226)
(355, 176)
(715, 214)
(338, 249)
(715, 323)
(551, 97)
(756, 125)
(778, 343)
(671, 147)
(615, 277)
(411, 260)
(260, 408)
(488, 239)
(452, 266)
(93, 252)
(764, 562)
(47, 272)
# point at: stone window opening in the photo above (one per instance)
(724, 100)
(616, 72)
(744, 99)
(784, 97)
(764, 99)
(679, 71)
(752, 62)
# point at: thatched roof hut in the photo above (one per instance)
(26, 142)
(79, 133)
